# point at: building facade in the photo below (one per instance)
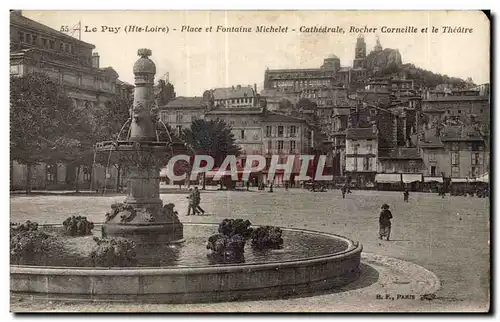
(459, 152)
(181, 111)
(459, 105)
(246, 126)
(35, 47)
(235, 96)
(361, 155)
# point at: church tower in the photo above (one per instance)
(360, 53)
(378, 46)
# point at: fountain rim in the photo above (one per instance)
(352, 247)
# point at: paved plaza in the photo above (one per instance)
(449, 237)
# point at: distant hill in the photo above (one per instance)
(422, 78)
(388, 61)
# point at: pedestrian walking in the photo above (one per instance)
(191, 204)
(384, 222)
(197, 200)
(248, 185)
(406, 195)
(344, 190)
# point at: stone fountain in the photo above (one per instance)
(168, 271)
(142, 217)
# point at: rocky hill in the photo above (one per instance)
(384, 59)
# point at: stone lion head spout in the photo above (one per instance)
(144, 52)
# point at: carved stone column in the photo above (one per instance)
(142, 216)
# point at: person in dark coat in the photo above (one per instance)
(406, 195)
(385, 222)
(196, 202)
(191, 204)
(344, 190)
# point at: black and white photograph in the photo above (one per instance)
(250, 161)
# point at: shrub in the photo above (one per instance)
(226, 249)
(25, 245)
(113, 252)
(230, 227)
(267, 237)
(222, 244)
(27, 226)
(78, 226)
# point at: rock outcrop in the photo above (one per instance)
(385, 59)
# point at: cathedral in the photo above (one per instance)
(330, 74)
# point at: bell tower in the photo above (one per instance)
(360, 53)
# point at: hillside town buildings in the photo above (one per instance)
(377, 130)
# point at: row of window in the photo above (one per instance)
(45, 43)
(367, 164)
(455, 171)
(472, 146)
(292, 131)
(280, 145)
(301, 83)
(476, 158)
(235, 101)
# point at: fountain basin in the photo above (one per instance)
(194, 283)
(146, 233)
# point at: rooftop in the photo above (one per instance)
(182, 102)
(277, 117)
(361, 133)
(16, 18)
(431, 141)
(271, 71)
(401, 153)
(233, 92)
(460, 133)
(235, 110)
(455, 98)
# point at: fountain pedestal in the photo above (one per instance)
(142, 217)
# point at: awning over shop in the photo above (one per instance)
(433, 179)
(388, 177)
(460, 180)
(408, 178)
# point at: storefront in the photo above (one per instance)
(388, 181)
(413, 181)
(432, 184)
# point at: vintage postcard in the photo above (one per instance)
(250, 161)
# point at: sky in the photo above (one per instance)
(197, 61)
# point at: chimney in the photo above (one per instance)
(167, 76)
(95, 60)
(255, 87)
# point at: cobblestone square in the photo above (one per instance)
(449, 237)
